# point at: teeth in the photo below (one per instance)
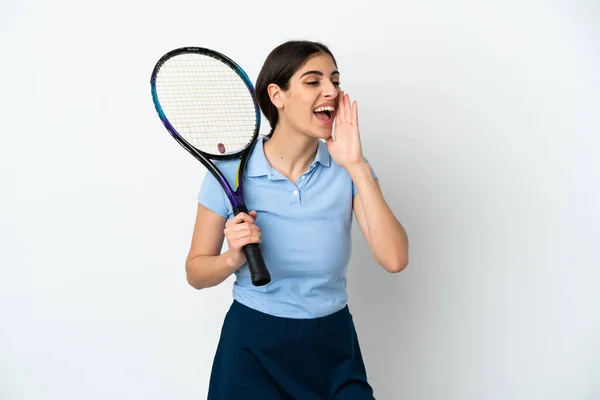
(328, 108)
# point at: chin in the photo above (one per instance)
(323, 135)
(321, 132)
(316, 133)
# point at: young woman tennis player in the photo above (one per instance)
(294, 338)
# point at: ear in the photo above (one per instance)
(276, 95)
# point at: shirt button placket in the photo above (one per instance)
(295, 197)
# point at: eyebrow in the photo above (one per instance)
(315, 72)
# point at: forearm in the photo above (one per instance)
(386, 236)
(207, 271)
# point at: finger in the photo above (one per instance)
(253, 214)
(243, 226)
(347, 107)
(355, 113)
(239, 244)
(340, 107)
(247, 240)
(241, 217)
(237, 235)
(241, 238)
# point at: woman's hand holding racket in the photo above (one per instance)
(240, 231)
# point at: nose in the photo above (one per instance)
(330, 91)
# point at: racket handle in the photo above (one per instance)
(259, 273)
(258, 270)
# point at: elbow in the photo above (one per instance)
(395, 264)
(395, 267)
(196, 285)
(192, 279)
(393, 256)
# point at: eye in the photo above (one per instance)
(315, 83)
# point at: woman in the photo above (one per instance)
(294, 338)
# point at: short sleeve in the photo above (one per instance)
(354, 190)
(212, 196)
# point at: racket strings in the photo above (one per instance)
(207, 102)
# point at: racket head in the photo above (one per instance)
(206, 101)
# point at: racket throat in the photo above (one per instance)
(240, 209)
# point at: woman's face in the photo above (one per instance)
(310, 103)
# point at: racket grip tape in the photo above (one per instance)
(259, 273)
(258, 270)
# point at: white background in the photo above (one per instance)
(480, 118)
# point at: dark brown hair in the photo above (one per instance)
(280, 65)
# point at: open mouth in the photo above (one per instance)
(325, 114)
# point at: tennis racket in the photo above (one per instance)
(207, 103)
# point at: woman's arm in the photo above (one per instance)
(385, 235)
(205, 265)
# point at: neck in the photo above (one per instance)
(289, 152)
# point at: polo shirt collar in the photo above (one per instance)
(323, 156)
(257, 163)
(259, 166)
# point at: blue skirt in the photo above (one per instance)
(263, 357)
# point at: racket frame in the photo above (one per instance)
(235, 196)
